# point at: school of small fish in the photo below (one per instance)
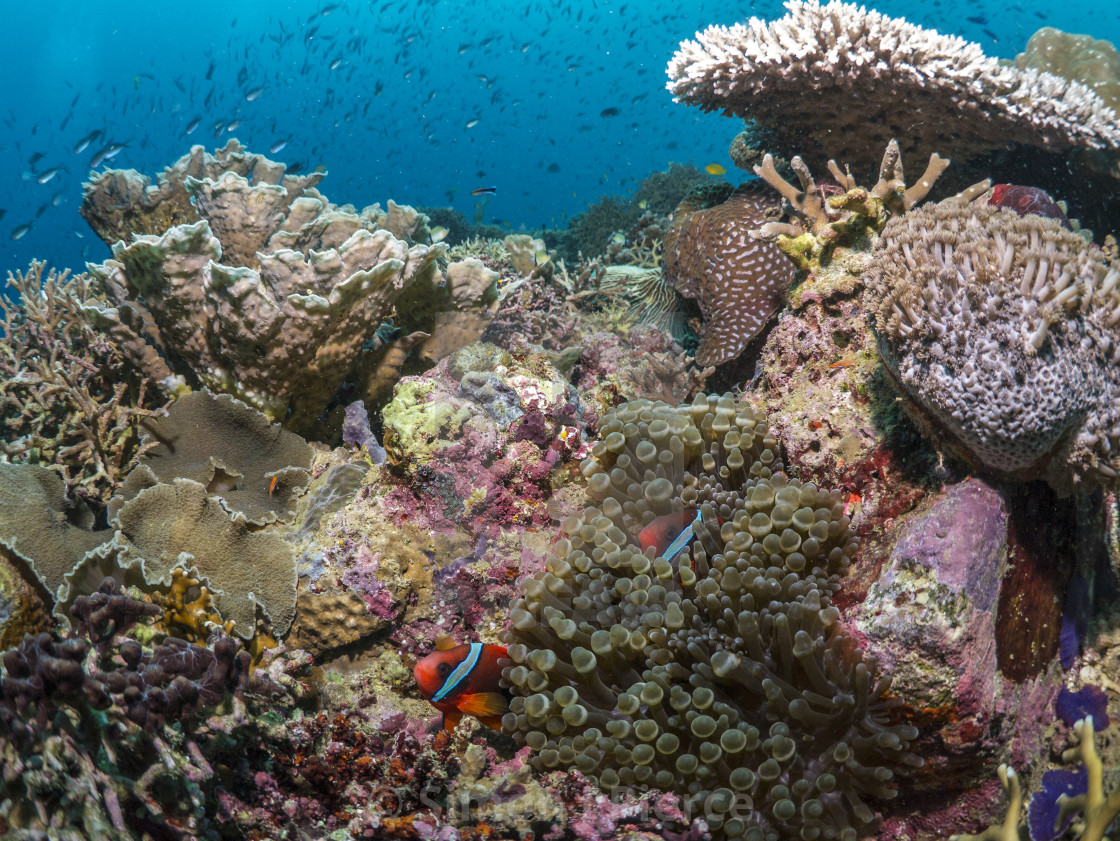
(553, 108)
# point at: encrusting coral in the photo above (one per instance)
(70, 398)
(839, 80)
(257, 468)
(738, 280)
(722, 673)
(1001, 331)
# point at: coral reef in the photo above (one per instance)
(724, 675)
(838, 80)
(41, 527)
(1000, 331)
(101, 732)
(820, 224)
(266, 290)
(739, 281)
(256, 467)
(480, 434)
(70, 398)
(662, 191)
(1079, 58)
(590, 232)
(179, 525)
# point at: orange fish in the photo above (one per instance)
(669, 534)
(462, 680)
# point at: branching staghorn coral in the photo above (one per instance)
(69, 397)
(722, 673)
(1097, 810)
(822, 221)
(1001, 330)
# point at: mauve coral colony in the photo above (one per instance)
(260, 461)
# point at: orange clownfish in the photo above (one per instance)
(669, 534)
(463, 680)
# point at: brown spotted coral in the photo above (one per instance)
(724, 677)
(738, 280)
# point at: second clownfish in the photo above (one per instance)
(463, 680)
(669, 534)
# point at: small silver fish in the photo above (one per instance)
(193, 124)
(20, 231)
(472, 123)
(233, 126)
(278, 146)
(47, 174)
(254, 93)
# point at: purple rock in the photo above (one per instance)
(356, 432)
(1075, 620)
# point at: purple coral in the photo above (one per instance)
(1042, 817)
(1087, 701)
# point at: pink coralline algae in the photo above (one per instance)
(362, 579)
(930, 619)
(478, 439)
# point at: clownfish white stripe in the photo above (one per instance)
(460, 673)
(683, 539)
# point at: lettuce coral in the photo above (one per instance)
(248, 280)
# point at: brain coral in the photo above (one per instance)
(738, 280)
(727, 677)
(837, 80)
(1001, 329)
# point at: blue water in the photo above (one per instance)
(391, 119)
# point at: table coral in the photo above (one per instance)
(1000, 330)
(738, 280)
(836, 80)
(727, 678)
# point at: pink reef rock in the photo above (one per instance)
(930, 619)
(481, 439)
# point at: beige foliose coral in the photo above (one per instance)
(724, 676)
(248, 280)
(257, 468)
(839, 80)
(1080, 58)
(1002, 331)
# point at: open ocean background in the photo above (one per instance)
(569, 97)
